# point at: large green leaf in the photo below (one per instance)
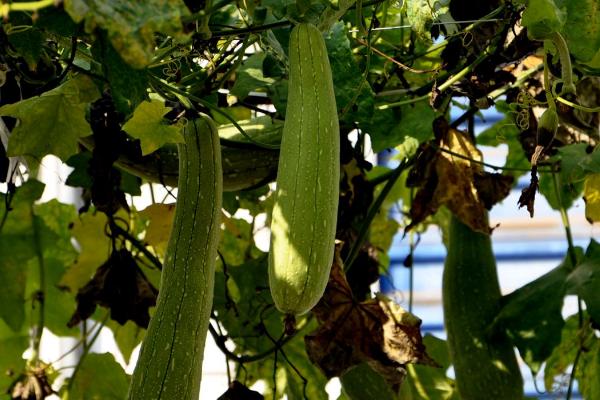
(148, 125)
(585, 280)
(429, 383)
(245, 307)
(89, 231)
(11, 356)
(127, 85)
(362, 382)
(16, 248)
(541, 300)
(589, 371)
(250, 76)
(131, 25)
(422, 13)
(53, 122)
(29, 44)
(582, 29)
(100, 377)
(577, 337)
(506, 132)
(563, 354)
(353, 94)
(392, 126)
(58, 252)
(300, 371)
(127, 336)
(542, 18)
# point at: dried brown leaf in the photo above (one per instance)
(376, 331)
(492, 188)
(450, 181)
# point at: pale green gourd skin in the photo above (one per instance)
(305, 211)
(170, 362)
(486, 367)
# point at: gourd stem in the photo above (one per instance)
(565, 62)
(573, 258)
(578, 106)
(547, 85)
(565, 220)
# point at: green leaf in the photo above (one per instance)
(131, 25)
(58, 252)
(506, 132)
(148, 125)
(16, 248)
(89, 231)
(13, 346)
(100, 377)
(542, 18)
(127, 336)
(250, 77)
(278, 7)
(244, 305)
(56, 20)
(362, 382)
(591, 196)
(28, 43)
(353, 94)
(582, 28)
(421, 14)
(541, 300)
(128, 86)
(589, 371)
(391, 127)
(51, 123)
(429, 383)
(568, 192)
(584, 281)
(563, 355)
(80, 176)
(315, 380)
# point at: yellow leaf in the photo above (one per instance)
(159, 228)
(591, 196)
(94, 249)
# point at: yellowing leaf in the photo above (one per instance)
(51, 123)
(148, 125)
(95, 246)
(447, 177)
(591, 196)
(161, 220)
(130, 24)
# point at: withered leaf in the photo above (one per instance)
(32, 385)
(450, 181)
(527, 198)
(376, 331)
(238, 391)
(121, 286)
(492, 188)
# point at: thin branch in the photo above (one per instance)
(137, 244)
(250, 29)
(220, 341)
(393, 60)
